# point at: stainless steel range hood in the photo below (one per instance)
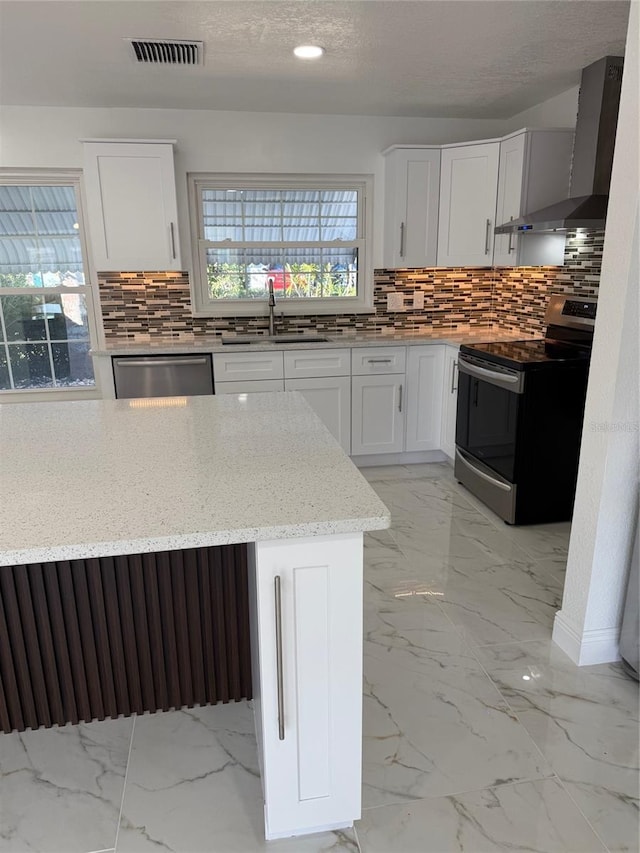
(586, 207)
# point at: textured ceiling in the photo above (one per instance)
(457, 58)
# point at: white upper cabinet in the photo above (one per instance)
(468, 182)
(412, 188)
(534, 172)
(131, 205)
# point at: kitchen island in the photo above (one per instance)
(104, 500)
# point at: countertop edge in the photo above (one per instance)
(79, 551)
(450, 338)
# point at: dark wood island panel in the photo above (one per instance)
(87, 639)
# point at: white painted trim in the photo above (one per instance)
(202, 306)
(377, 459)
(599, 645)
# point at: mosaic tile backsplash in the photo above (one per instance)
(144, 306)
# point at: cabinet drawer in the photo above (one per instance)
(300, 364)
(247, 365)
(249, 386)
(374, 360)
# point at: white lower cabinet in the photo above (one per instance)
(449, 401)
(306, 645)
(377, 414)
(330, 399)
(424, 397)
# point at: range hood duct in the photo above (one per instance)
(586, 206)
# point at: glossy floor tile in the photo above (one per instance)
(479, 734)
(193, 785)
(585, 721)
(61, 788)
(535, 816)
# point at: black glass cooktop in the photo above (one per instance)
(522, 354)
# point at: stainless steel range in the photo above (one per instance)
(520, 413)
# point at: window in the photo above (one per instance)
(304, 236)
(45, 302)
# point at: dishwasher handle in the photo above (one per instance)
(154, 361)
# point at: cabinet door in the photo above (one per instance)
(510, 185)
(449, 401)
(412, 188)
(330, 399)
(308, 714)
(468, 188)
(131, 205)
(424, 397)
(377, 414)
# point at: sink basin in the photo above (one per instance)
(274, 339)
(298, 339)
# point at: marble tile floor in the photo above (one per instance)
(479, 734)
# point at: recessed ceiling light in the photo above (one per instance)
(308, 51)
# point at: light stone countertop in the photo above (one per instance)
(106, 477)
(175, 346)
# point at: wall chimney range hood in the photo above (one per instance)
(586, 207)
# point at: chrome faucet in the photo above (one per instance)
(272, 305)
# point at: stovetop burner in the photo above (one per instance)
(520, 353)
(569, 335)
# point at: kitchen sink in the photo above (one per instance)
(243, 340)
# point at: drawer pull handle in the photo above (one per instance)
(280, 676)
(156, 361)
(379, 360)
(487, 247)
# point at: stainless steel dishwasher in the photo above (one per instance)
(163, 375)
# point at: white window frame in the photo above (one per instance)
(204, 306)
(60, 177)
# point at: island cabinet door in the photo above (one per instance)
(306, 615)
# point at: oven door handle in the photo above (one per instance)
(512, 382)
(498, 483)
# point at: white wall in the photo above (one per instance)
(606, 505)
(559, 111)
(210, 141)
(231, 142)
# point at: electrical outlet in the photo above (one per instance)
(418, 298)
(395, 301)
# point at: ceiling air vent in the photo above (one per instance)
(166, 51)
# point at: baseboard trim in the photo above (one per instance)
(420, 456)
(599, 645)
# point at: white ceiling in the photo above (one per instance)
(448, 58)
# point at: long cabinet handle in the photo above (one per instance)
(487, 238)
(279, 672)
(172, 229)
(402, 227)
(511, 246)
(454, 370)
(400, 399)
(379, 361)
